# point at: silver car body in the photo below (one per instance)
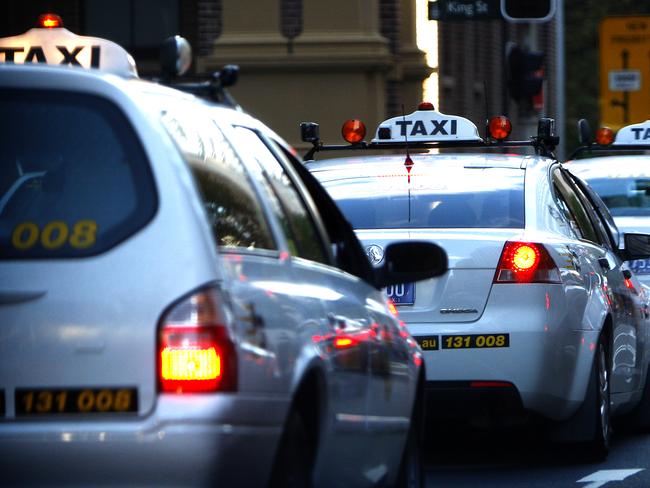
(548, 331)
(91, 324)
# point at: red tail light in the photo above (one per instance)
(526, 262)
(345, 342)
(195, 352)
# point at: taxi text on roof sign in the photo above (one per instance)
(634, 134)
(426, 126)
(59, 46)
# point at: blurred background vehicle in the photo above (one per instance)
(619, 172)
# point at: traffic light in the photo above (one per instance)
(525, 74)
(527, 10)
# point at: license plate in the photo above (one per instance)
(477, 341)
(402, 294)
(640, 266)
(428, 343)
(40, 401)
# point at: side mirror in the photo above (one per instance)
(637, 246)
(411, 261)
(584, 132)
(175, 56)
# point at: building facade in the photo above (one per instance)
(325, 62)
(300, 60)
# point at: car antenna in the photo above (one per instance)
(487, 110)
(408, 162)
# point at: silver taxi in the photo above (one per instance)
(538, 315)
(618, 169)
(181, 304)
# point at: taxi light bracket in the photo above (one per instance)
(214, 88)
(544, 143)
(172, 53)
(588, 145)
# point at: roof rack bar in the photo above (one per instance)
(318, 146)
(610, 148)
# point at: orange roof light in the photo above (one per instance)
(353, 131)
(49, 21)
(499, 127)
(426, 106)
(604, 136)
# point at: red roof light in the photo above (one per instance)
(499, 127)
(49, 21)
(353, 131)
(604, 136)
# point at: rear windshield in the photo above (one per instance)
(469, 198)
(74, 180)
(624, 196)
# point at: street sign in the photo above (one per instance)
(464, 10)
(624, 70)
(526, 11)
(625, 80)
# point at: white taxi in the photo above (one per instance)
(618, 169)
(181, 303)
(538, 315)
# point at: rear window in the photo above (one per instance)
(624, 196)
(74, 180)
(466, 198)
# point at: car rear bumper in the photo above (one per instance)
(157, 451)
(548, 360)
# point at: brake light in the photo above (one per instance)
(344, 342)
(196, 353)
(526, 262)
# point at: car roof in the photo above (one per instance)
(70, 78)
(618, 166)
(429, 164)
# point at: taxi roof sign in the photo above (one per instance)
(426, 126)
(59, 46)
(635, 134)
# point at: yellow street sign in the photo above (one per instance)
(624, 70)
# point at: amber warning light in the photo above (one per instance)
(49, 21)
